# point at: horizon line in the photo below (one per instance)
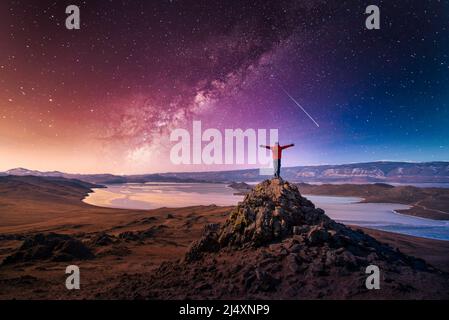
(228, 170)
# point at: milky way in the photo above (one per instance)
(105, 98)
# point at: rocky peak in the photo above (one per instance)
(273, 210)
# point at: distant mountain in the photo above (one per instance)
(100, 178)
(26, 172)
(381, 171)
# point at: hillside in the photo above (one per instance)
(277, 245)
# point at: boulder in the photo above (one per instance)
(51, 246)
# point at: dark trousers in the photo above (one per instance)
(277, 167)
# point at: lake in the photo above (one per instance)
(347, 210)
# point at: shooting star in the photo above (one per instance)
(297, 103)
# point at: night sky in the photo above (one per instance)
(106, 97)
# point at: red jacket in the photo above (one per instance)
(277, 150)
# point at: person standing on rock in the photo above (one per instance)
(277, 155)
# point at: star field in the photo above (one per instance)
(105, 98)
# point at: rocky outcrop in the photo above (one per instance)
(276, 244)
(272, 211)
(269, 212)
(51, 246)
(275, 211)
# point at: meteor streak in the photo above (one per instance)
(297, 103)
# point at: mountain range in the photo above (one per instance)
(380, 171)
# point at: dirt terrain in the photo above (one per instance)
(44, 227)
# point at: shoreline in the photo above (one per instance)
(439, 231)
(242, 188)
(433, 251)
(435, 199)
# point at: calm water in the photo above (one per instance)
(419, 185)
(343, 209)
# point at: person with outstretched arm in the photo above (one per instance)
(277, 155)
